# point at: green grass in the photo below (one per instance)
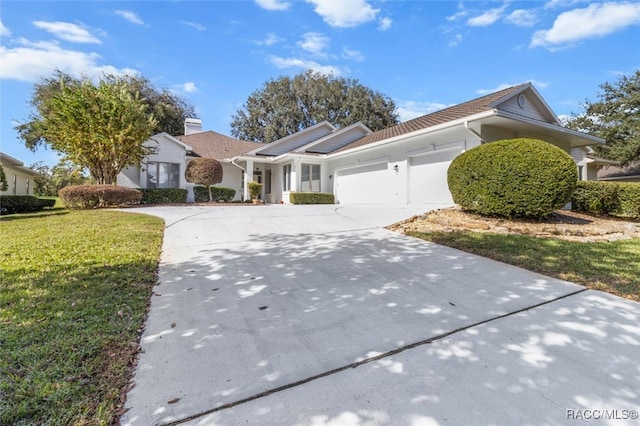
(613, 267)
(74, 290)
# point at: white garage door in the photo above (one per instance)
(364, 185)
(428, 177)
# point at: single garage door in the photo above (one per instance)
(364, 185)
(428, 177)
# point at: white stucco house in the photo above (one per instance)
(403, 164)
(19, 178)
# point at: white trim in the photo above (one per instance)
(379, 160)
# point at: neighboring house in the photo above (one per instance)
(406, 163)
(19, 178)
(615, 173)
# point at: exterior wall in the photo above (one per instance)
(231, 178)
(20, 183)
(529, 110)
(398, 154)
(167, 151)
(493, 133)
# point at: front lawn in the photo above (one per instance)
(613, 267)
(74, 288)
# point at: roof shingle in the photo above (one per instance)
(211, 144)
(455, 112)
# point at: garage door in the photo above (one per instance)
(428, 177)
(364, 185)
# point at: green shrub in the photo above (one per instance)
(629, 200)
(218, 193)
(163, 195)
(612, 198)
(10, 204)
(311, 198)
(254, 189)
(97, 196)
(595, 197)
(513, 178)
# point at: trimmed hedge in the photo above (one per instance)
(311, 198)
(612, 198)
(219, 193)
(98, 196)
(163, 195)
(10, 204)
(513, 178)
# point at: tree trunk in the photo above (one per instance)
(210, 196)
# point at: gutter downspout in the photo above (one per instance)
(466, 126)
(244, 172)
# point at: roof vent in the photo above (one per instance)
(192, 125)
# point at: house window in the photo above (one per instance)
(14, 184)
(580, 172)
(286, 177)
(310, 178)
(27, 185)
(267, 181)
(163, 175)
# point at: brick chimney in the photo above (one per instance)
(192, 125)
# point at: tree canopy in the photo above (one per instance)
(53, 179)
(99, 126)
(287, 105)
(168, 109)
(615, 118)
(204, 171)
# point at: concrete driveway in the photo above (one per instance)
(316, 315)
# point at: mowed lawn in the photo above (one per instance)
(613, 267)
(74, 289)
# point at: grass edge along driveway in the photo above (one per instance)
(74, 291)
(613, 267)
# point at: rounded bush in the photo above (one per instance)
(514, 178)
(97, 196)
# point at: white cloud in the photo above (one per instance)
(283, 63)
(195, 25)
(189, 87)
(596, 20)
(4, 31)
(277, 5)
(344, 13)
(354, 55)
(456, 40)
(537, 83)
(384, 24)
(553, 4)
(33, 60)
(522, 18)
(67, 31)
(487, 18)
(315, 43)
(461, 13)
(129, 16)
(270, 40)
(408, 110)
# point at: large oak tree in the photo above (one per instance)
(615, 118)
(101, 126)
(287, 105)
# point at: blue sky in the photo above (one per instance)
(425, 55)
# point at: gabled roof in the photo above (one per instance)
(294, 141)
(336, 139)
(211, 144)
(465, 109)
(172, 139)
(13, 163)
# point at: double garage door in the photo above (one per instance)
(424, 183)
(427, 177)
